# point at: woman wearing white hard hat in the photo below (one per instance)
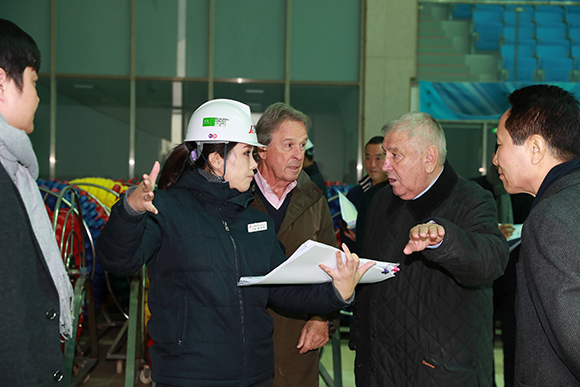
(198, 236)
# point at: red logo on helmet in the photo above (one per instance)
(252, 130)
(212, 135)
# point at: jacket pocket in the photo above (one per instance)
(438, 372)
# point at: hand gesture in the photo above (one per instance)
(506, 229)
(347, 274)
(423, 235)
(142, 198)
(314, 335)
(350, 234)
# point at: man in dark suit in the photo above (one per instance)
(538, 153)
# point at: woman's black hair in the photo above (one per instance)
(180, 159)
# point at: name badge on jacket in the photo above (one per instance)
(255, 227)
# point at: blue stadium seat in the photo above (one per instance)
(547, 19)
(556, 69)
(573, 20)
(572, 9)
(462, 11)
(509, 18)
(526, 69)
(524, 50)
(490, 7)
(551, 51)
(574, 35)
(553, 34)
(525, 32)
(487, 16)
(489, 35)
(550, 9)
(575, 52)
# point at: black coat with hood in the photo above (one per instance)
(430, 325)
(207, 330)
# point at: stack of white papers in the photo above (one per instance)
(302, 268)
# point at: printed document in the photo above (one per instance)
(302, 268)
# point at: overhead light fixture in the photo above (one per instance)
(255, 91)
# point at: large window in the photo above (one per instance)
(128, 74)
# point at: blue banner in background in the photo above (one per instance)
(473, 100)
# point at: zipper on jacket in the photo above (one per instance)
(237, 267)
(183, 321)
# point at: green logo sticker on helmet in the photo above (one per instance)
(215, 121)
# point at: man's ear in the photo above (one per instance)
(216, 162)
(262, 152)
(537, 148)
(3, 80)
(430, 156)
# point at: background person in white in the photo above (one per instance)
(538, 148)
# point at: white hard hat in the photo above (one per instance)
(222, 120)
(309, 145)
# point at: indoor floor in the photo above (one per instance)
(105, 373)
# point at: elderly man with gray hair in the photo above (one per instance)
(432, 324)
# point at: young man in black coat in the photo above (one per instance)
(35, 291)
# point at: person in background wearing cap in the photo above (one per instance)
(198, 236)
(300, 212)
(35, 288)
(311, 168)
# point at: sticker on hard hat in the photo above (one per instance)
(212, 135)
(215, 121)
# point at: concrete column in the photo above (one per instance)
(390, 62)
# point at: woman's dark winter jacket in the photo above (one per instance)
(207, 330)
(430, 325)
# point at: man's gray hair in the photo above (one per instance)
(274, 115)
(423, 126)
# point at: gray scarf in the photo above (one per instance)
(19, 160)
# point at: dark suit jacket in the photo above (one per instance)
(30, 349)
(548, 295)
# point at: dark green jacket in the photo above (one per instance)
(207, 330)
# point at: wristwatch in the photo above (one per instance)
(331, 327)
